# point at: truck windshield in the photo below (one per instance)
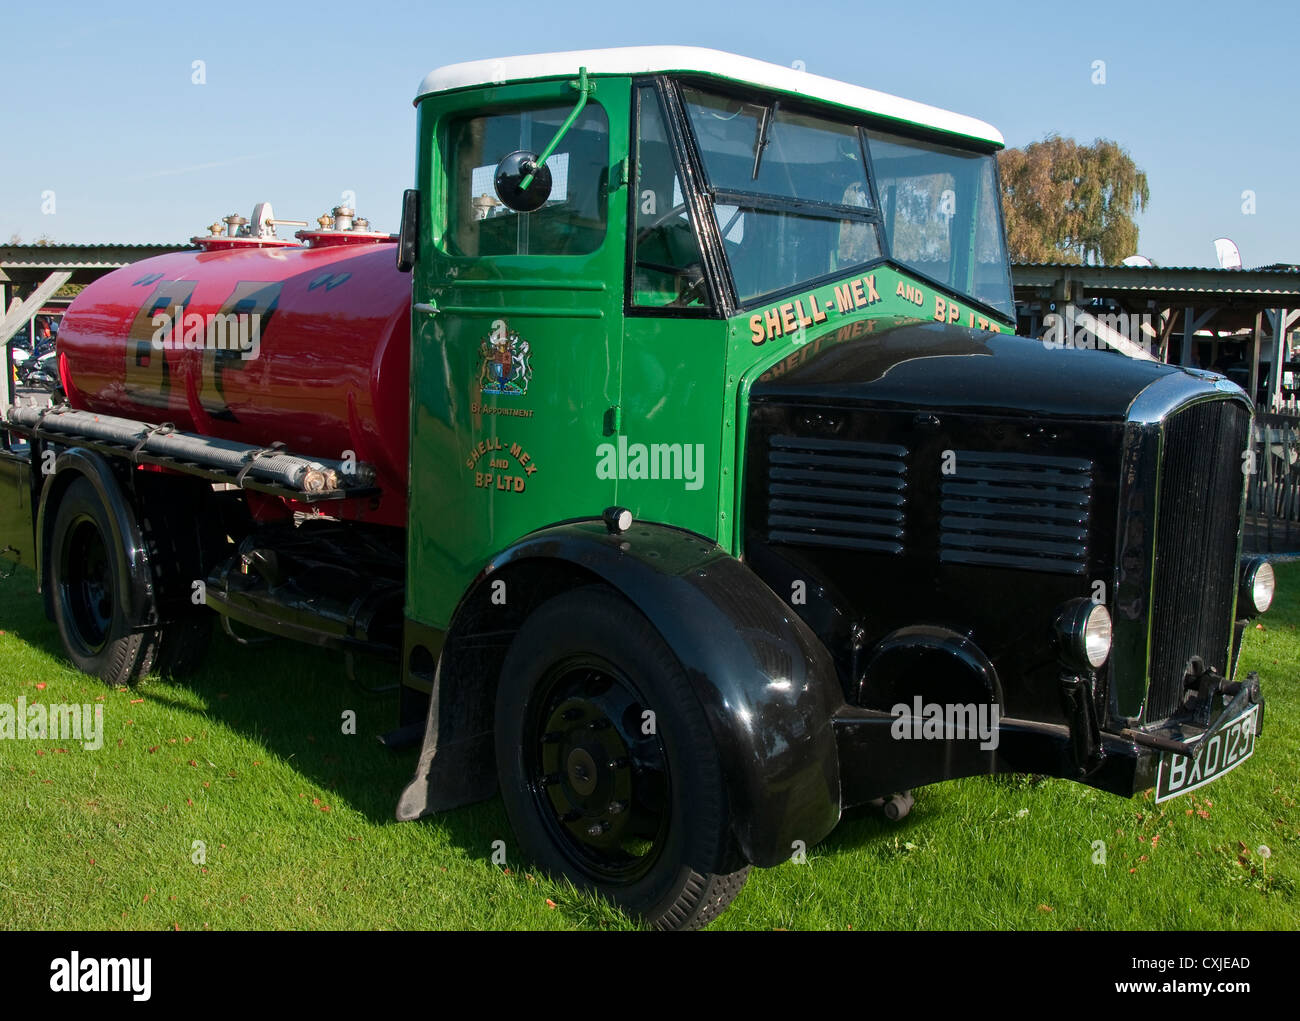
(942, 215)
(793, 200)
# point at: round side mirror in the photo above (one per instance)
(511, 172)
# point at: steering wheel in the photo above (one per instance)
(659, 221)
(694, 289)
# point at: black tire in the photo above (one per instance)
(641, 819)
(182, 533)
(86, 575)
(184, 644)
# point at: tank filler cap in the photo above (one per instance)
(342, 226)
(242, 233)
(265, 222)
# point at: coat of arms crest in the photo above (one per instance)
(505, 369)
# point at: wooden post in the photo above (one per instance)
(21, 313)
(1286, 318)
(1191, 323)
(1167, 319)
(1254, 358)
(1278, 317)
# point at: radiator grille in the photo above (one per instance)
(1196, 546)
(1016, 510)
(841, 493)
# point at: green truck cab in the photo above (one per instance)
(745, 462)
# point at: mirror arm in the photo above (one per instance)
(584, 88)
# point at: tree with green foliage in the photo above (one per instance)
(1066, 202)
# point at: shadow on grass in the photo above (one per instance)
(291, 699)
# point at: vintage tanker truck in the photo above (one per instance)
(680, 455)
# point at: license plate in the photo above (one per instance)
(1226, 749)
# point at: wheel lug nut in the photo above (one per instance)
(597, 829)
(615, 807)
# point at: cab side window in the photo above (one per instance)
(667, 270)
(573, 219)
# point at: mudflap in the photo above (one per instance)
(452, 772)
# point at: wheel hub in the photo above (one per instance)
(582, 772)
(600, 781)
(87, 579)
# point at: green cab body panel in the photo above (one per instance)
(536, 397)
(487, 468)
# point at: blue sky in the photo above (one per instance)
(305, 101)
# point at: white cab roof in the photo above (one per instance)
(633, 60)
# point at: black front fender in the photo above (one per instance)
(767, 685)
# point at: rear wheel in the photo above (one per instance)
(184, 644)
(88, 573)
(183, 531)
(608, 769)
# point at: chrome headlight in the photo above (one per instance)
(1085, 634)
(1258, 585)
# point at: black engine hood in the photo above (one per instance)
(941, 367)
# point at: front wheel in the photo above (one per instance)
(608, 769)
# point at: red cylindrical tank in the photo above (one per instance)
(320, 359)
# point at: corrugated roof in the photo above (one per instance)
(19, 263)
(1276, 267)
(1253, 289)
(95, 244)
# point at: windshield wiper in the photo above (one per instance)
(764, 128)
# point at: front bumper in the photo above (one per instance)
(875, 763)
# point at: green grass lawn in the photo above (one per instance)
(249, 757)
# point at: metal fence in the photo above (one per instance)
(1273, 499)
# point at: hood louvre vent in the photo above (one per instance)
(841, 493)
(1018, 511)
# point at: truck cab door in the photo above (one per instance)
(675, 339)
(517, 326)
